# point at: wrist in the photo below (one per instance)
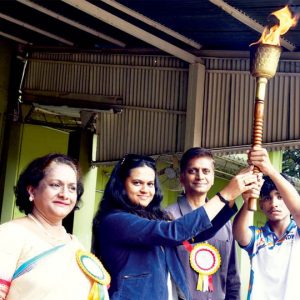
(222, 199)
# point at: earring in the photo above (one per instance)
(30, 198)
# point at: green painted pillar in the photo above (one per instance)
(12, 171)
(5, 61)
(6, 201)
(83, 217)
(276, 159)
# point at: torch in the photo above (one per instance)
(263, 64)
(264, 57)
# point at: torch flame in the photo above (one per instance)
(286, 20)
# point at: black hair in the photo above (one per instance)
(192, 153)
(269, 185)
(35, 172)
(115, 196)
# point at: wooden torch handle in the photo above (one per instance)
(252, 202)
(258, 126)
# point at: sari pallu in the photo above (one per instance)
(52, 274)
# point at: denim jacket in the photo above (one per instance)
(139, 253)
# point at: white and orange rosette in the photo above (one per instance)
(205, 259)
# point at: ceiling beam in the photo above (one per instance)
(72, 23)
(152, 23)
(33, 28)
(14, 38)
(133, 30)
(242, 17)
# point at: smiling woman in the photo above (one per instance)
(56, 194)
(140, 186)
(136, 239)
(36, 252)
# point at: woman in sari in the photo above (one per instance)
(38, 258)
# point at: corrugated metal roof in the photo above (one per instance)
(184, 29)
(59, 24)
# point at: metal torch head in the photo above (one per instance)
(264, 60)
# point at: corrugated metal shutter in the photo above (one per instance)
(139, 131)
(229, 104)
(154, 92)
(153, 120)
(153, 89)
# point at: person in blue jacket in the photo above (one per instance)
(136, 240)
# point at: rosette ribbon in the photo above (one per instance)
(94, 269)
(205, 259)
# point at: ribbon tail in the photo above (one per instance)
(200, 283)
(187, 246)
(103, 293)
(203, 284)
(95, 292)
(210, 283)
(98, 292)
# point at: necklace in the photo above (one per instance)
(53, 239)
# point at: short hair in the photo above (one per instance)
(193, 153)
(35, 172)
(269, 185)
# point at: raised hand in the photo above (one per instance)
(259, 157)
(244, 181)
(254, 192)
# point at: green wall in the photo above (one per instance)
(41, 140)
(26, 143)
(5, 59)
(103, 174)
(38, 141)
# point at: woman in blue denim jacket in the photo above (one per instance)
(136, 240)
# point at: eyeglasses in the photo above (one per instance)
(137, 157)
